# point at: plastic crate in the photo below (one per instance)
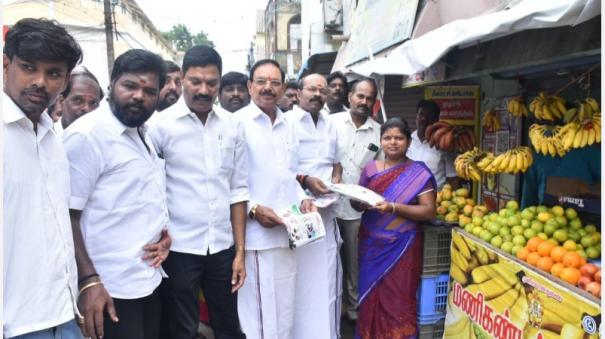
(436, 249)
(431, 331)
(432, 298)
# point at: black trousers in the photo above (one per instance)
(139, 318)
(187, 273)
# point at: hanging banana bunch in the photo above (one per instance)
(546, 107)
(546, 139)
(512, 161)
(584, 126)
(517, 108)
(491, 120)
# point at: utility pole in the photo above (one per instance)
(108, 34)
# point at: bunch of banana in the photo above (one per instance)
(585, 110)
(466, 164)
(517, 108)
(491, 121)
(576, 135)
(512, 161)
(547, 140)
(464, 139)
(547, 107)
(466, 257)
(440, 135)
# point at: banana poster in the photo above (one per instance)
(492, 295)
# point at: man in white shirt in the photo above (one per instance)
(82, 95)
(118, 201)
(40, 275)
(207, 190)
(439, 162)
(319, 272)
(266, 301)
(358, 142)
(338, 89)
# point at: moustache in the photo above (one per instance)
(38, 91)
(316, 99)
(203, 97)
(267, 92)
(136, 106)
(172, 93)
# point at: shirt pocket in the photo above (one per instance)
(227, 154)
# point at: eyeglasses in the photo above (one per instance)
(322, 91)
(263, 82)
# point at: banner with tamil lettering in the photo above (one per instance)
(494, 295)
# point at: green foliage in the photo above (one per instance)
(182, 39)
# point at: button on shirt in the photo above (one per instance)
(206, 172)
(272, 166)
(39, 268)
(353, 144)
(440, 163)
(120, 187)
(318, 150)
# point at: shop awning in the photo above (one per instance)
(416, 55)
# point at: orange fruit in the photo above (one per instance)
(571, 275)
(557, 253)
(556, 269)
(532, 244)
(522, 253)
(572, 259)
(545, 264)
(533, 258)
(544, 248)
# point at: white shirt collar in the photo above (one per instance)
(366, 125)
(258, 112)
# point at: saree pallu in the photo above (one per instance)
(390, 254)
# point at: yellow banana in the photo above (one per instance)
(591, 136)
(506, 300)
(546, 113)
(482, 256)
(458, 274)
(504, 164)
(491, 288)
(569, 135)
(486, 272)
(584, 138)
(459, 259)
(593, 104)
(462, 247)
(597, 130)
(578, 138)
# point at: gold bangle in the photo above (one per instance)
(239, 248)
(393, 206)
(87, 286)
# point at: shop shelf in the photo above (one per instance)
(436, 249)
(431, 331)
(432, 298)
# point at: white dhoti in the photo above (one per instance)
(319, 285)
(266, 300)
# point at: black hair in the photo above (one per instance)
(42, 39)
(83, 72)
(432, 108)
(139, 61)
(338, 75)
(399, 123)
(264, 62)
(233, 78)
(364, 79)
(171, 67)
(201, 56)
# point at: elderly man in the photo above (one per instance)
(40, 273)
(207, 190)
(118, 200)
(319, 272)
(82, 95)
(233, 93)
(266, 301)
(358, 142)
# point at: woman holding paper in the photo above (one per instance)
(390, 241)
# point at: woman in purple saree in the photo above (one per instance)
(390, 242)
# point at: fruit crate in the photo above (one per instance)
(431, 331)
(432, 298)
(436, 249)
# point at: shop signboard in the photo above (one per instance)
(494, 295)
(459, 104)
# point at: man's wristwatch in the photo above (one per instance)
(252, 213)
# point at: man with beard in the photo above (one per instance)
(233, 93)
(207, 190)
(319, 272)
(82, 95)
(439, 162)
(290, 97)
(358, 140)
(40, 273)
(172, 90)
(335, 101)
(118, 201)
(266, 301)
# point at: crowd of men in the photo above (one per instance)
(119, 211)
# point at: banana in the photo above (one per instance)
(491, 288)
(462, 247)
(458, 274)
(506, 300)
(597, 129)
(578, 138)
(591, 136)
(486, 272)
(504, 164)
(560, 105)
(512, 164)
(593, 104)
(568, 137)
(459, 259)
(551, 149)
(584, 138)
(482, 256)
